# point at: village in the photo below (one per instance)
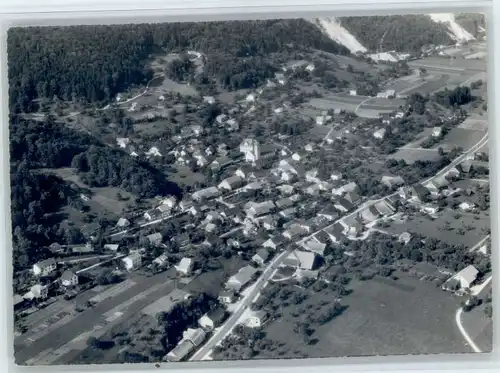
(263, 210)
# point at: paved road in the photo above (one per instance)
(86, 320)
(458, 318)
(245, 303)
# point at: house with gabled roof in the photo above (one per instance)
(261, 256)
(335, 232)
(45, 267)
(392, 181)
(231, 183)
(185, 266)
(314, 246)
(239, 280)
(301, 259)
(343, 205)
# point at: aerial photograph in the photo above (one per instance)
(235, 190)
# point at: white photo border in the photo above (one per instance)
(72, 12)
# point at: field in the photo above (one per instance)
(460, 137)
(412, 155)
(103, 199)
(475, 123)
(383, 317)
(184, 176)
(434, 228)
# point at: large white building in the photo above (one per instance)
(251, 149)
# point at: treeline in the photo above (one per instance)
(455, 97)
(384, 250)
(35, 198)
(402, 33)
(182, 316)
(45, 144)
(94, 63)
(101, 167)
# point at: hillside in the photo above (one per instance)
(403, 33)
(94, 63)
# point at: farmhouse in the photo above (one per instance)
(464, 279)
(314, 246)
(227, 296)
(231, 183)
(301, 259)
(180, 351)
(133, 261)
(122, 223)
(274, 242)
(379, 134)
(45, 267)
(212, 318)
(404, 238)
(343, 205)
(437, 131)
(154, 239)
(37, 291)
(69, 278)
(242, 278)
(205, 194)
(392, 181)
(195, 336)
(185, 266)
(390, 93)
(256, 319)
(152, 214)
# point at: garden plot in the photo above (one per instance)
(459, 137)
(474, 227)
(410, 156)
(383, 317)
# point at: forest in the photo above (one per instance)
(94, 63)
(408, 33)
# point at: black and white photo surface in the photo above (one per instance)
(271, 189)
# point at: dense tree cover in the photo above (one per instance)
(403, 33)
(99, 167)
(454, 97)
(381, 249)
(182, 316)
(418, 170)
(45, 144)
(95, 63)
(180, 69)
(33, 198)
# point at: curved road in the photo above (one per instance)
(458, 318)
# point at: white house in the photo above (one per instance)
(379, 134)
(45, 267)
(212, 318)
(231, 183)
(122, 142)
(227, 296)
(185, 266)
(209, 100)
(195, 336)
(261, 256)
(336, 176)
(310, 67)
(69, 278)
(309, 147)
(153, 151)
(170, 201)
(256, 319)
(122, 223)
(155, 238)
(250, 97)
(353, 92)
(466, 206)
(466, 276)
(133, 261)
(37, 292)
(436, 131)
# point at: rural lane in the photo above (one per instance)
(458, 318)
(245, 303)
